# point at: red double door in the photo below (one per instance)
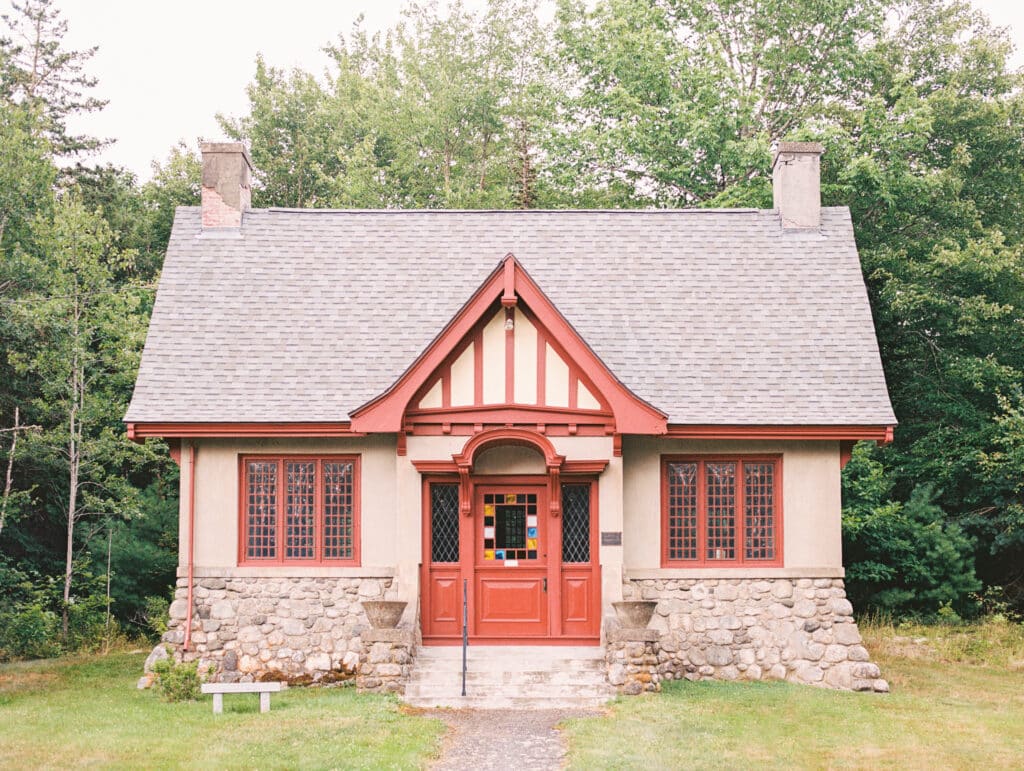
(526, 575)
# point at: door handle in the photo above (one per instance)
(545, 586)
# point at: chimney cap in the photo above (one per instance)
(810, 148)
(208, 148)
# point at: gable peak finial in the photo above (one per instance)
(509, 299)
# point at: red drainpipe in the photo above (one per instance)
(191, 537)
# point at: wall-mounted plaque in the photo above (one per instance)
(611, 538)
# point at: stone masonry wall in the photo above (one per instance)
(796, 629)
(304, 629)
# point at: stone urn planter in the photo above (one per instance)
(634, 614)
(384, 614)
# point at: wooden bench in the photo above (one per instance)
(263, 689)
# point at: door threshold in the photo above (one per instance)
(484, 641)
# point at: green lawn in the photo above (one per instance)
(86, 712)
(957, 702)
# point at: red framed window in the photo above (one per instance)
(721, 511)
(299, 510)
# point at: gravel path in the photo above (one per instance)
(491, 739)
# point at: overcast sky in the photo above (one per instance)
(168, 67)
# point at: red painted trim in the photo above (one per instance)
(517, 412)
(845, 453)
(189, 430)
(401, 445)
(508, 295)
(469, 428)
(569, 467)
(385, 412)
(436, 466)
(442, 640)
(881, 434)
(574, 389)
(542, 367)
(584, 467)
(174, 447)
(192, 452)
(510, 356)
(617, 445)
(317, 559)
(740, 561)
(508, 436)
(478, 367)
(446, 387)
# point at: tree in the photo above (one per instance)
(41, 76)
(677, 102)
(85, 339)
(444, 110)
(902, 558)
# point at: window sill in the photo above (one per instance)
(288, 571)
(746, 571)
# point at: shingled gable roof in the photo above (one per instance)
(714, 317)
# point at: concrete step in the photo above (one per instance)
(497, 665)
(493, 652)
(539, 691)
(510, 677)
(496, 702)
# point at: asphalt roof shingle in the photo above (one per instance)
(712, 316)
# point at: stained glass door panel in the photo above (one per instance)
(511, 580)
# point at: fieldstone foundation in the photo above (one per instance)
(796, 629)
(386, 660)
(633, 657)
(295, 629)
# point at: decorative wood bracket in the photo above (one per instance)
(555, 490)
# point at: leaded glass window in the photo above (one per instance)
(682, 511)
(721, 511)
(576, 523)
(444, 523)
(261, 510)
(299, 509)
(339, 510)
(510, 526)
(720, 496)
(759, 495)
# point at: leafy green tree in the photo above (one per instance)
(27, 175)
(902, 558)
(288, 128)
(40, 74)
(444, 110)
(84, 343)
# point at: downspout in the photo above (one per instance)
(191, 538)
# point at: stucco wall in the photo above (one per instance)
(811, 504)
(216, 515)
(629, 501)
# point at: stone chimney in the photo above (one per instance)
(796, 183)
(226, 193)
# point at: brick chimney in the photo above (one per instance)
(226, 193)
(796, 183)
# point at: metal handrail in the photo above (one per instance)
(465, 633)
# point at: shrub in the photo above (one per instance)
(903, 559)
(29, 633)
(177, 682)
(154, 615)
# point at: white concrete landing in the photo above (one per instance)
(510, 677)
